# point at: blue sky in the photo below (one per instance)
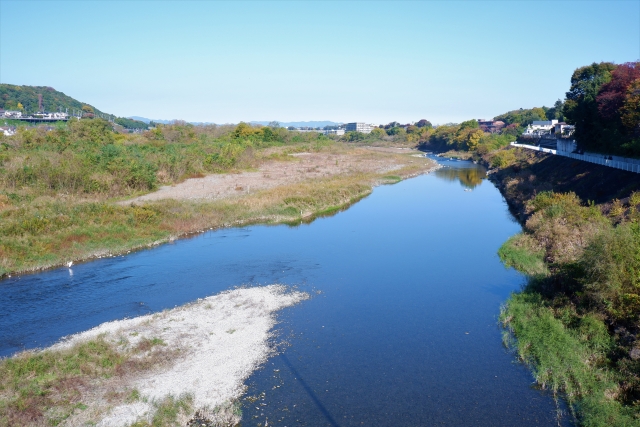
(343, 61)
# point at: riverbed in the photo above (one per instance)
(402, 329)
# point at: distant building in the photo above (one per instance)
(540, 127)
(492, 126)
(337, 132)
(12, 114)
(358, 127)
(51, 116)
(563, 130)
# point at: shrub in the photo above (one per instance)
(562, 226)
(503, 159)
(610, 272)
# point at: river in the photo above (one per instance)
(402, 328)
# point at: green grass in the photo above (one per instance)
(517, 252)
(575, 323)
(47, 387)
(392, 178)
(568, 360)
(34, 383)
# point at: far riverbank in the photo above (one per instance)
(289, 185)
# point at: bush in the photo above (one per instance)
(502, 159)
(562, 226)
(610, 272)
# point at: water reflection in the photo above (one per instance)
(469, 174)
(469, 178)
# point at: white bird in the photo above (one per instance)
(69, 264)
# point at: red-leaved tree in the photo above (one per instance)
(612, 95)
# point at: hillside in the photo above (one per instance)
(13, 97)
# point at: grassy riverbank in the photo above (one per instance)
(60, 191)
(576, 323)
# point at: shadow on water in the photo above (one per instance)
(312, 395)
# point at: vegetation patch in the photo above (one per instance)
(576, 322)
(392, 179)
(47, 387)
(522, 253)
(59, 188)
(568, 354)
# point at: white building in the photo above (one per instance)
(12, 114)
(51, 116)
(338, 132)
(540, 127)
(358, 127)
(564, 130)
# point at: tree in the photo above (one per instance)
(581, 108)
(539, 112)
(244, 130)
(630, 111)
(378, 133)
(274, 124)
(468, 137)
(523, 117)
(555, 112)
(424, 123)
(612, 95)
(469, 124)
(87, 111)
(96, 131)
(395, 130)
(392, 125)
(354, 136)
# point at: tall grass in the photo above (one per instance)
(572, 361)
(576, 322)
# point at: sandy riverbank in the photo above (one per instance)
(298, 168)
(205, 349)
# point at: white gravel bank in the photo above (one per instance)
(222, 340)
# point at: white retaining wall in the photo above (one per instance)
(566, 148)
(534, 147)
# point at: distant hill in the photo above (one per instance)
(12, 97)
(145, 120)
(311, 124)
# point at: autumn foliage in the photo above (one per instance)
(604, 104)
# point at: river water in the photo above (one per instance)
(402, 328)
